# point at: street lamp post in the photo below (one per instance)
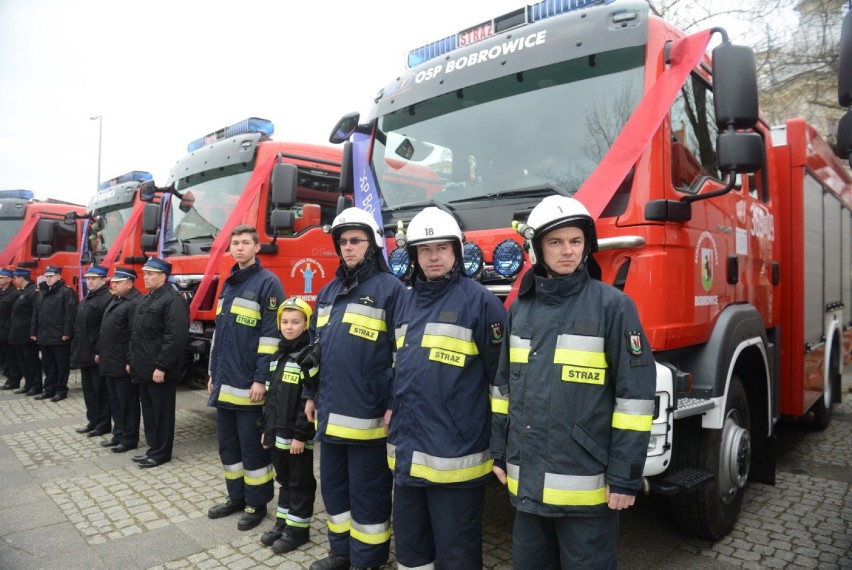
(100, 120)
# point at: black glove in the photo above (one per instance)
(308, 358)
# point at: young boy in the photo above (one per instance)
(287, 431)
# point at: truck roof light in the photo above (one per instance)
(520, 17)
(22, 194)
(132, 176)
(250, 125)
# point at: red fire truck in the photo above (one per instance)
(732, 238)
(229, 178)
(35, 234)
(112, 223)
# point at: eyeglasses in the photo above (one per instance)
(354, 241)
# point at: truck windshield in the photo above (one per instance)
(103, 229)
(208, 198)
(548, 126)
(8, 228)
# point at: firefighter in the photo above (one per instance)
(354, 316)
(8, 294)
(287, 431)
(246, 337)
(19, 333)
(449, 330)
(573, 399)
(84, 353)
(160, 333)
(116, 328)
(52, 327)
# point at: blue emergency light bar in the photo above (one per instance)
(132, 176)
(520, 17)
(250, 125)
(21, 194)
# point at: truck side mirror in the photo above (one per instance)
(739, 152)
(844, 75)
(735, 87)
(844, 136)
(282, 219)
(346, 180)
(151, 219)
(147, 190)
(149, 242)
(44, 250)
(70, 218)
(187, 201)
(44, 231)
(344, 128)
(285, 179)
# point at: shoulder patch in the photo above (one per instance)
(496, 333)
(634, 342)
(272, 304)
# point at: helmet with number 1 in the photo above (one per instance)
(356, 219)
(434, 225)
(556, 212)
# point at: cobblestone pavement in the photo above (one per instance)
(69, 503)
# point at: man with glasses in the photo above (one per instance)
(353, 323)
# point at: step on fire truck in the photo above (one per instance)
(732, 238)
(239, 175)
(35, 234)
(112, 223)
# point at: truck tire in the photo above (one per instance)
(711, 510)
(822, 407)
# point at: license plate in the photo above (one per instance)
(195, 327)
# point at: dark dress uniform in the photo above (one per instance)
(13, 369)
(19, 337)
(116, 328)
(53, 318)
(84, 348)
(160, 334)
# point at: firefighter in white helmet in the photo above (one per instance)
(353, 327)
(449, 331)
(573, 398)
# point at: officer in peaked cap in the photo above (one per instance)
(116, 327)
(8, 294)
(160, 333)
(85, 348)
(52, 328)
(19, 332)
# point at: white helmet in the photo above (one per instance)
(433, 225)
(556, 212)
(356, 219)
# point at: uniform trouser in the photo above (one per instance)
(158, 413)
(96, 397)
(124, 406)
(439, 526)
(565, 542)
(56, 359)
(247, 465)
(13, 368)
(298, 487)
(30, 365)
(356, 490)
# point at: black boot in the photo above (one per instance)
(268, 537)
(229, 507)
(333, 562)
(251, 517)
(291, 540)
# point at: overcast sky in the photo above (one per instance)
(164, 72)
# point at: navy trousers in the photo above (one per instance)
(248, 466)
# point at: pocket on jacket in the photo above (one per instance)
(592, 446)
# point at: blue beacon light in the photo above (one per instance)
(250, 125)
(399, 262)
(508, 258)
(472, 259)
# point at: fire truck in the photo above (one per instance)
(732, 237)
(239, 175)
(35, 234)
(112, 223)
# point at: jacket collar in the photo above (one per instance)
(535, 282)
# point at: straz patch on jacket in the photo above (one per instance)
(248, 321)
(634, 342)
(364, 332)
(583, 375)
(447, 357)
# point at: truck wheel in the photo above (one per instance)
(711, 510)
(822, 407)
